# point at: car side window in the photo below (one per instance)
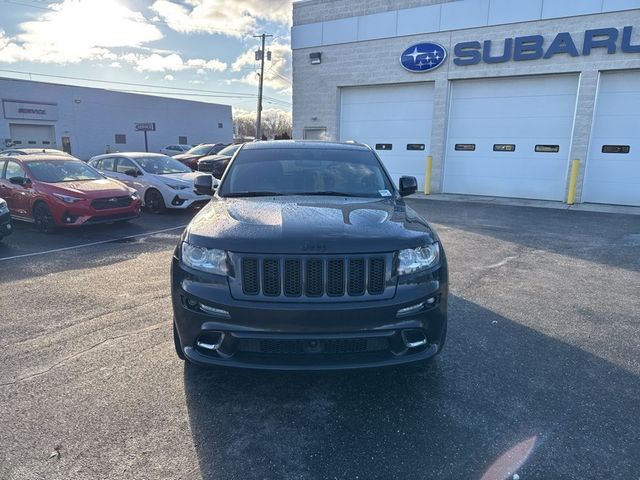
(107, 164)
(2, 162)
(14, 170)
(124, 164)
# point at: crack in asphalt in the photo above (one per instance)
(90, 319)
(82, 352)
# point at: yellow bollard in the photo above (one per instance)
(573, 180)
(427, 176)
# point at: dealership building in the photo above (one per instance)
(503, 94)
(89, 121)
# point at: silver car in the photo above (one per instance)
(161, 181)
(176, 149)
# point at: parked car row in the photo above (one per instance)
(54, 189)
(191, 157)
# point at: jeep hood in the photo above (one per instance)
(308, 225)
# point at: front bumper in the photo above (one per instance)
(77, 216)
(187, 200)
(5, 224)
(306, 335)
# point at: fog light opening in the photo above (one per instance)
(210, 341)
(414, 338)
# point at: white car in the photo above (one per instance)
(161, 181)
(175, 149)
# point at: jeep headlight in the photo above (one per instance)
(210, 260)
(3, 205)
(414, 260)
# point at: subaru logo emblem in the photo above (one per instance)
(423, 57)
(113, 200)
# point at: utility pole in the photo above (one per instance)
(260, 56)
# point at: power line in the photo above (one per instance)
(165, 87)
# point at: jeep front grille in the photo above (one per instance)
(313, 277)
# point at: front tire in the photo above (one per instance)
(154, 201)
(43, 218)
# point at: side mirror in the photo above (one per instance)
(203, 185)
(22, 181)
(408, 186)
(133, 172)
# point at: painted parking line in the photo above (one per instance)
(84, 245)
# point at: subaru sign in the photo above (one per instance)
(423, 57)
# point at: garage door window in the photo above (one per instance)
(415, 146)
(121, 138)
(465, 147)
(504, 147)
(547, 148)
(384, 146)
(615, 149)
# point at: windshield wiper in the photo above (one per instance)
(253, 194)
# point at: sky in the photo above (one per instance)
(200, 50)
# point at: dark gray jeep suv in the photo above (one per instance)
(307, 257)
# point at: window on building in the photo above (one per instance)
(220, 125)
(121, 138)
(182, 140)
(465, 147)
(314, 133)
(384, 146)
(615, 149)
(547, 148)
(504, 147)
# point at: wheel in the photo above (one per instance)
(176, 342)
(43, 218)
(154, 202)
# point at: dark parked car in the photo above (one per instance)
(308, 258)
(57, 191)
(217, 164)
(191, 157)
(5, 219)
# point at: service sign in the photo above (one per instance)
(29, 110)
(146, 127)
(423, 57)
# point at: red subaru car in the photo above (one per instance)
(54, 191)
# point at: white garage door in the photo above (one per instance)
(613, 167)
(394, 120)
(32, 136)
(510, 137)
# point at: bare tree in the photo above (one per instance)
(274, 123)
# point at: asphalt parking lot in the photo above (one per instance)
(540, 375)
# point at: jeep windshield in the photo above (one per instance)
(298, 171)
